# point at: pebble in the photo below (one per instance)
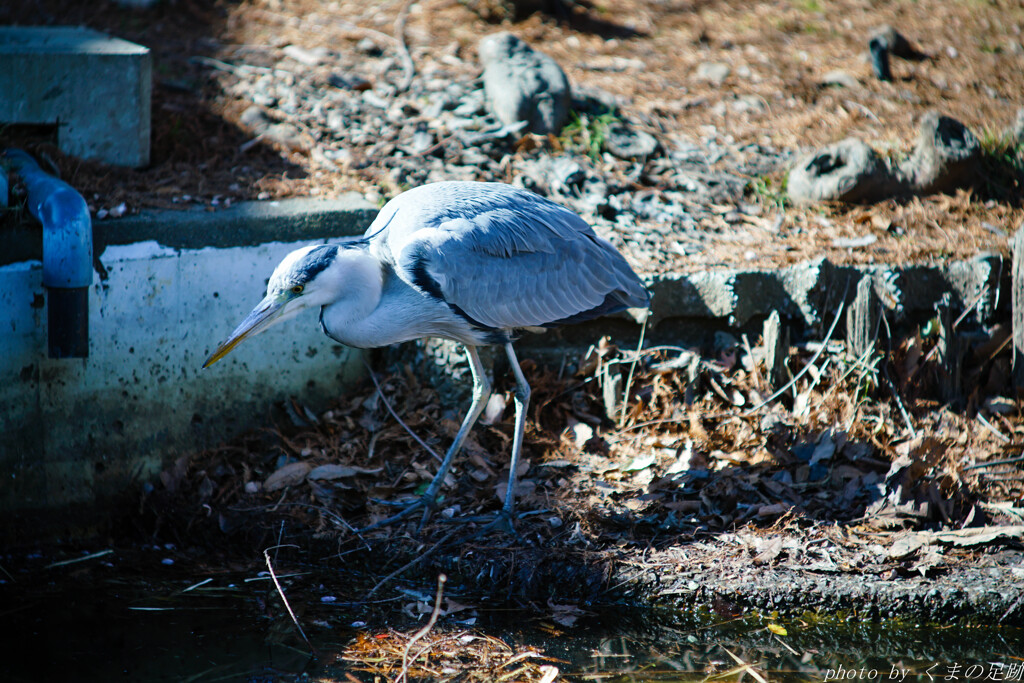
(840, 78)
(628, 143)
(715, 72)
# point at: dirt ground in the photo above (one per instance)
(876, 469)
(777, 98)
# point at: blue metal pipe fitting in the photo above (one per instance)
(67, 254)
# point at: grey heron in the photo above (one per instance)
(471, 262)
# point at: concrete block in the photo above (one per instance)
(95, 88)
(810, 292)
(167, 289)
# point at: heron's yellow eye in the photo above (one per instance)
(297, 289)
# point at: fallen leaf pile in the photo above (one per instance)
(666, 447)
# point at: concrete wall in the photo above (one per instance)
(74, 433)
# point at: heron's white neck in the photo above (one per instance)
(351, 287)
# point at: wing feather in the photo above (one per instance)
(503, 256)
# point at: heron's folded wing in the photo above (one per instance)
(505, 267)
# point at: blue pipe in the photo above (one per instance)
(67, 255)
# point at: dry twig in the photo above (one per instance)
(387, 404)
(280, 591)
(441, 578)
(814, 359)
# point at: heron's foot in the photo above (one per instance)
(427, 503)
(504, 521)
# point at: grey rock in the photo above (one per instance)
(522, 84)
(843, 79)
(287, 135)
(348, 82)
(847, 171)
(552, 175)
(306, 57)
(588, 97)
(626, 142)
(896, 43)
(748, 104)
(566, 172)
(945, 156)
(422, 140)
(370, 48)
(254, 120)
(715, 72)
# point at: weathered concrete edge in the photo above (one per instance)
(963, 595)
(811, 291)
(241, 225)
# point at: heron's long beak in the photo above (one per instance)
(263, 316)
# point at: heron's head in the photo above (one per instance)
(304, 279)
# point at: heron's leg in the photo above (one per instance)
(504, 519)
(522, 403)
(481, 392)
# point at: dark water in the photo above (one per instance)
(80, 625)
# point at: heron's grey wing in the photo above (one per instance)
(506, 258)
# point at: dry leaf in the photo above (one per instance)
(550, 673)
(332, 471)
(641, 462)
(978, 535)
(289, 475)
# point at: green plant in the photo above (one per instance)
(586, 133)
(762, 188)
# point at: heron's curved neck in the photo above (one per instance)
(354, 282)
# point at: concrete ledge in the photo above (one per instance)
(244, 224)
(986, 597)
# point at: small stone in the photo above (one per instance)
(840, 78)
(368, 47)
(286, 135)
(748, 104)
(714, 72)
(422, 140)
(301, 55)
(848, 171)
(945, 156)
(347, 82)
(626, 142)
(566, 172)
(254, 120)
